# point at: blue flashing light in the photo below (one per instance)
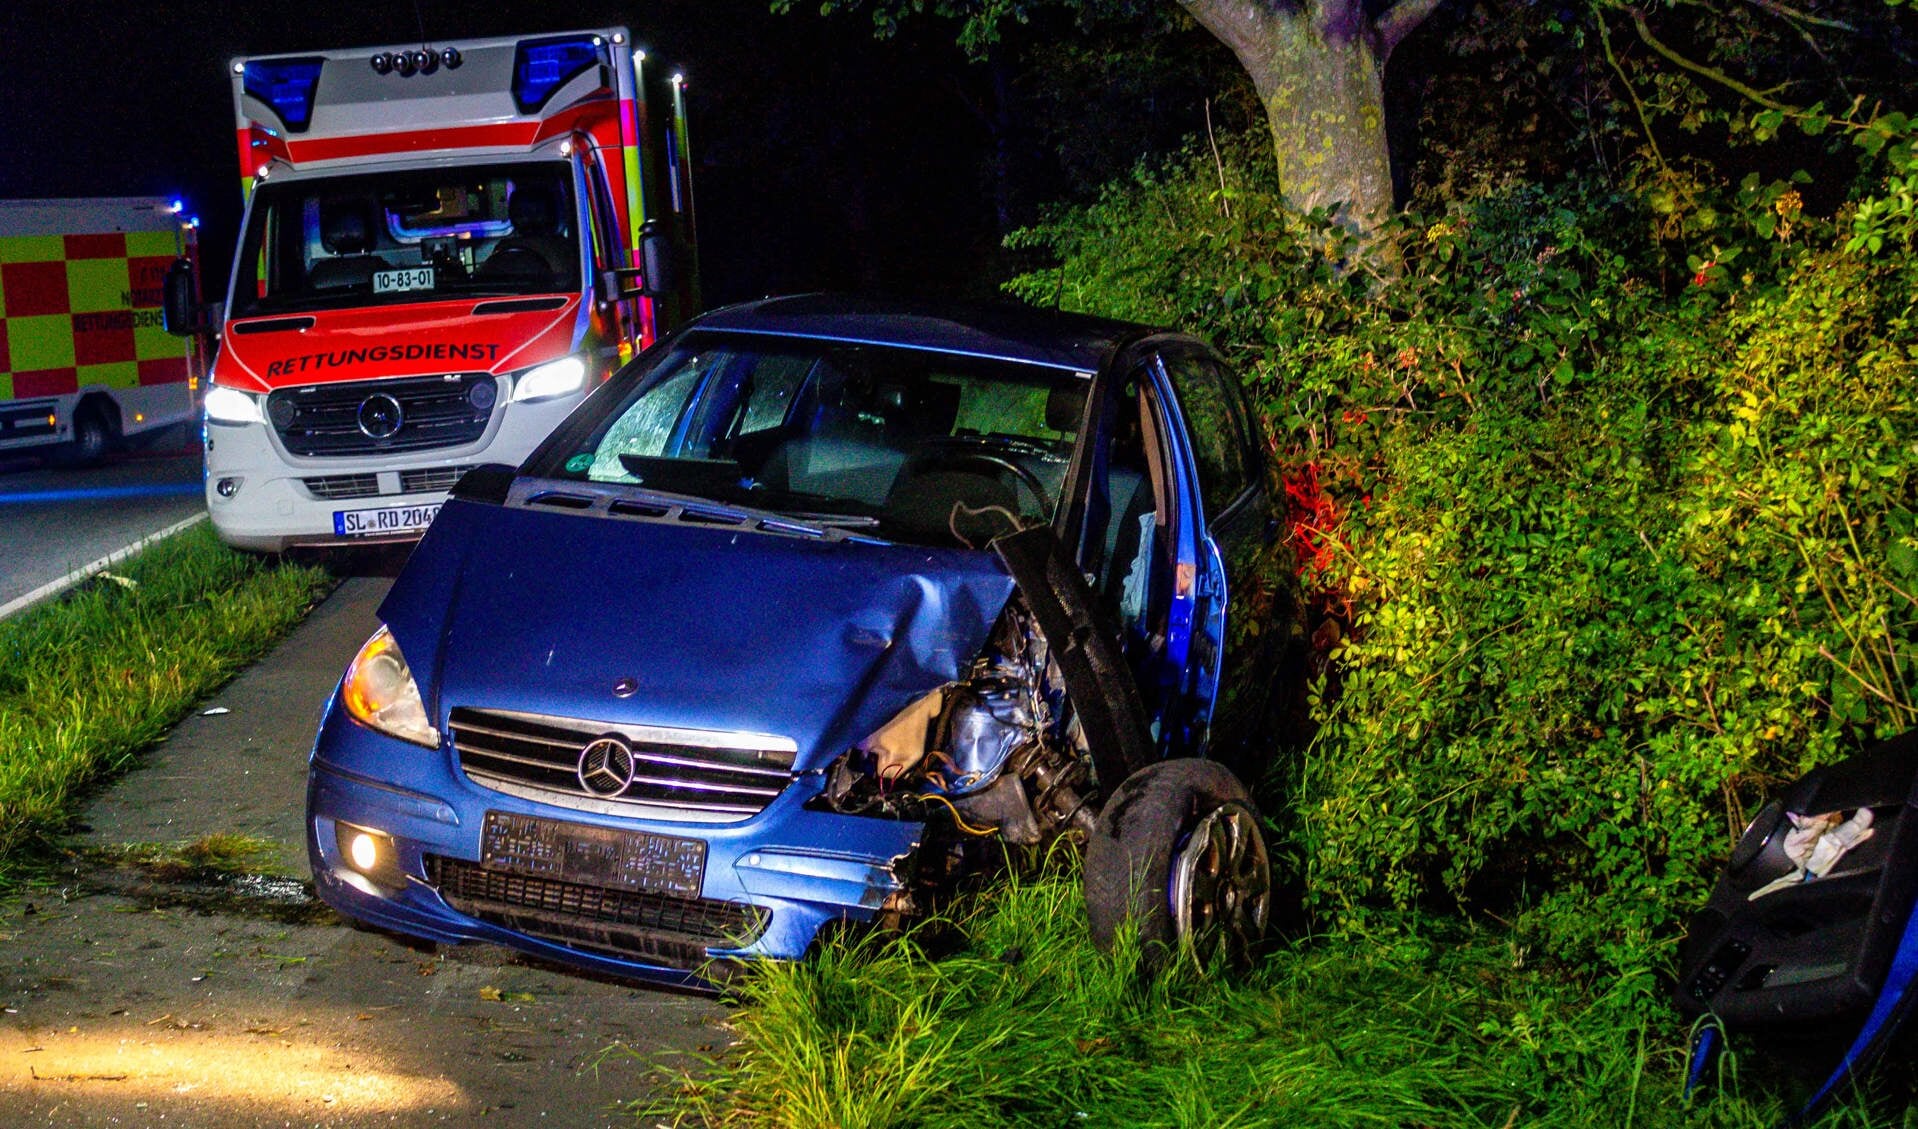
(177, 206)
(541, 66)
(287, 85)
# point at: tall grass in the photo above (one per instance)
(1437, 1023)
(90, 680)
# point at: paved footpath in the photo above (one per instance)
(131, 998)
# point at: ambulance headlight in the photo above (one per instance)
(554, 378)
(232, 406)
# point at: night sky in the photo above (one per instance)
(824, 159)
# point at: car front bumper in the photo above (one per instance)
(799, 868)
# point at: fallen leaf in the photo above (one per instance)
(489, 993)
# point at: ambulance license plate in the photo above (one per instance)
(397, 281)
(392, 519)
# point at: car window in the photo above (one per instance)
(1216, 426)
(929, 447)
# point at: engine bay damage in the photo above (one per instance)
(1020, 748)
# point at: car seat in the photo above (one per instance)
(347, 229)
(536, 249)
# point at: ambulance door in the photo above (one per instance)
(615, 313)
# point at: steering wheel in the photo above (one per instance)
(515, 260)
(954, 458)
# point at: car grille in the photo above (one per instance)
(656, 928)
(435, 411)
(695, 771)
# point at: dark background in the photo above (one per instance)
(824, 158)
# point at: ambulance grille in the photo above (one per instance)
(434, 411)
(430, 479)
(333, 487)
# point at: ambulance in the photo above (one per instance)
(85, 361)
(445, 248)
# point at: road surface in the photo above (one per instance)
(56, 519)
(131, 998)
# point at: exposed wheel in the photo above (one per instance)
(1178, 850)
(91, 438)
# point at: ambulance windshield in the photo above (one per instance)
(410, 235)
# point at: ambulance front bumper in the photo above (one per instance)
(264, 499)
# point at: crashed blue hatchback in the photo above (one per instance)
(814, 608)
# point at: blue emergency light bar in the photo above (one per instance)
(288, 86)
(542, 66)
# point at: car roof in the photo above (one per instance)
(1012, 333)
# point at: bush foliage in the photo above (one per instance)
(1620, 527)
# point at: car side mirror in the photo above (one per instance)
(178, 311)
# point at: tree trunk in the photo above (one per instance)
(1326, 106)
(1319, 69)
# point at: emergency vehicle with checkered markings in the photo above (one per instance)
(445, 248)
(85, 362)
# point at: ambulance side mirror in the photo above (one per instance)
(177, 307)
(656, 251)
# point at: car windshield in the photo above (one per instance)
(408, 236)
(908, 444)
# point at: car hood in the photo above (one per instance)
(472, 335)
(821, 642)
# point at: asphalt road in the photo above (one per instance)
(56, 519)
(132, 998)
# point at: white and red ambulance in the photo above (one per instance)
(446, 246)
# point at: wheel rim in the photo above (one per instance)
(1222, 881)
(91, 439)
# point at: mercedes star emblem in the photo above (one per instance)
(380, 416)
(606, 767)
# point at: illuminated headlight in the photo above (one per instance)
(230, 405)
(554, 378)
(379, 692)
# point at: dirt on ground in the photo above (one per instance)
(141, 990)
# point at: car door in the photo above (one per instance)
(1139, 532)
(1247, 608)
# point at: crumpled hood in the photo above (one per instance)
(543, 611)
(264, 353)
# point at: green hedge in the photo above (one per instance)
(1621, 539)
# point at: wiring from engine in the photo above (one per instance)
(959, 820)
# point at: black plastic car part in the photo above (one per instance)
(1814, 967)
(1097, 677)
(488, 482)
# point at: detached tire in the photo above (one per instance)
(1178, 851)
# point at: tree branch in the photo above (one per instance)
(1605, 39)
(1794, 16)
(1713, 73)
(1401, 20)
(1239, 24)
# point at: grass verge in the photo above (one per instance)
(89, 680)
(1435, 1024)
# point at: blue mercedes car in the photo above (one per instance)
(816, 606)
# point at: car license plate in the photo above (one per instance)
(594, 856)
(392, 519)
(397, 281)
